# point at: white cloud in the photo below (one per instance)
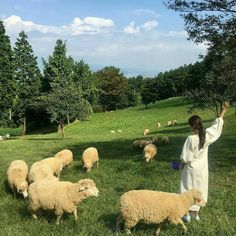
(139, 12)
(88, 25)
(149, 25)
(131, 28)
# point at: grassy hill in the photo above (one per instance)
(122, 169)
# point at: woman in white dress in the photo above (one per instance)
(195, 157)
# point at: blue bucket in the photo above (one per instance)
(175, 165)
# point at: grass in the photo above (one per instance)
(122, 169)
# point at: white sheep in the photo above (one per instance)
(55, 164)
(165, 140)
(169, 123)
(146, 131)
(174, 122)
(59, 196)
(16, 177)
(158, 125)
(112, 132)
(120, 131)
(149, 152)
(66, 157)
(89, 158)
(1, 138)
(154, 207)
(141, 143)
(39, 171)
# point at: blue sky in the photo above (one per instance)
(140, 37)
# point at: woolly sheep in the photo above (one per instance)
(120, 131)
(89, 158)
(141, 143)
(66, 157)
(146, 131)
(38, 171)
(169, 123)
(112, 132)
(149, 152)
(16, 177)
(158, 125)
(1, 137)
(174, 122)
(154, 207)
(55, 165)
(165, 140)
(59, 196)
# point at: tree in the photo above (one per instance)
(27, 76)
(7, 83)
(113, 85)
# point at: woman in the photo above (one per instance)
(195, 157)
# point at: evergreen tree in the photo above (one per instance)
(7, 85)
(27, 76)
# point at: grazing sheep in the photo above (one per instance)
(155, 140)
(139, 144)
(89, 158)
(66, 157)
(146, 131)
(16, 177)
(120, 131)
(112, 132)
(154, 207)
(169, 123)
(174, 122)
(59, 196)
(165, 140)
(1, 137)
(39, 171)
(158, 125)
(149, 152)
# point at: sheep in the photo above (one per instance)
(165, 140)
(112, 132)
(174, 122)
(141, 143)
(120, 131)
(55, 165)
(1, 138)
(146, 131)
(66, 157)
(158, 125)
(61, 196)
(149, 152)
(169, 123)
(16, 177)
(89, 158)
(154, 207)
(38, 171)
(155, 140)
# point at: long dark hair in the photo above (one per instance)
(196, 123)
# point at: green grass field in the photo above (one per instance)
(122, 169)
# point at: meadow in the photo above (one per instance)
(121, 169)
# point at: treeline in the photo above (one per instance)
(66, 90)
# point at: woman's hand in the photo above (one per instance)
(224, 108)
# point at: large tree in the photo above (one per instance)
(7, 84)
(27, 76)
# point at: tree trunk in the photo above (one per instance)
(61, 125)
(24, 126)
(68, 119)
(10, 114)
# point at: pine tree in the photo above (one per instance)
(27, 75)
(7, 86)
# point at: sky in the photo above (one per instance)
(137, 36)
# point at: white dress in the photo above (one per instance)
(195, 172)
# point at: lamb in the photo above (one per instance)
(138, 144)
(149, 152)
(55, 165)
(146, 131)
(89, 158)
(112, 132)
(174, 122)
(165, 140)
(66, 157)
(154, 207)
(120, 131)
(38, 171)
(158, 125)
(169, 123)
(61, 196)
(16, 177)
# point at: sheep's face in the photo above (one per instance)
(89, 186)
(198, 199)
(22, 189)
(147, 158)
(88, 166)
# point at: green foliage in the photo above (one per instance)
(7, 85)
(113, 85)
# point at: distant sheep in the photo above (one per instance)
(55, 164)
(169, 123)
(158, 125)
(66, 157)
(146, 131)
(149, 152)
(1, 138)
(39, 171)
(16, 177)
(174, 122)
(89, 158)
(59, 196)
(112, 132)
(141, 143)
(154, 207)
(165, 140)
(120, 131)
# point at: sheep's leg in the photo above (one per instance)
(59, 214)
(129, 224)
(33, 211)
(158, 229)
(97, 164)
(179, 221)
(75, 213)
